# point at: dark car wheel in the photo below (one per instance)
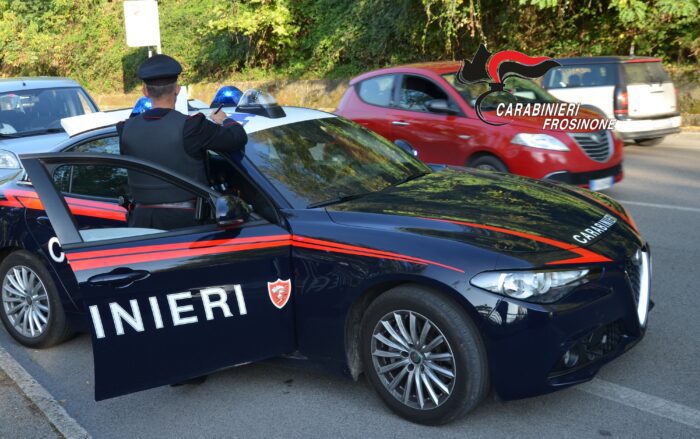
(423, 355)
(31, 309)
(649, 142)
(488, 163)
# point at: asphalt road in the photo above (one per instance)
(652, 391)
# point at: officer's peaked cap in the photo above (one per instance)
(159, 70)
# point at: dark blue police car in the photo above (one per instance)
(326, 243)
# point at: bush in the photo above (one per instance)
(260, 39)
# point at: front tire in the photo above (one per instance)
(31, 309)
(423, 355)
(488, 163)
(649, 142)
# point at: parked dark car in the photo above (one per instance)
(328, 243)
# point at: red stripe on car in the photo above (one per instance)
(77, 206)
(89, 260)
(585, 256)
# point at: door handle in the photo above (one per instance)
(118, 278)
(464, 136)
(400, 123)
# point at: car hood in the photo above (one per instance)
(494, 210)
(33, 144)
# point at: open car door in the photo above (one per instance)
(169, 305)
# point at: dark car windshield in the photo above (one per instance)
(328, 160)
(521, 90)
(29, 112)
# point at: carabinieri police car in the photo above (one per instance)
(324, 242)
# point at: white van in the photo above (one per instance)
(637, 91)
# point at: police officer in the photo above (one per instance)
(175, 141)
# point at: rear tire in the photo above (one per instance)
(488, 163)
(649, 142)
(396, 368)
(27, 289)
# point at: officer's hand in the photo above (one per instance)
(218, 117)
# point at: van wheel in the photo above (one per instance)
(31, 309)
(488, 163)
(649, 142)
(423, 355)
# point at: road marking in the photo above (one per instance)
(661, 206)
(41, 398)
(643, 401)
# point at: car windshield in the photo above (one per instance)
(645, 73)
(323, 161)
(521, 90)
(39, 111)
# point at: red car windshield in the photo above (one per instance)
(521, 90)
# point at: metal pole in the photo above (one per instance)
(158, 51)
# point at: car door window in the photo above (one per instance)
(98, 195)
(93, 181)
(377, 91)
(416, 92)
(580, 76)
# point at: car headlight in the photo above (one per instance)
(542, 141)
(8, 160)
(533, 286)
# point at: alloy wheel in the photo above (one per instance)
(413, 359)
(25, 301)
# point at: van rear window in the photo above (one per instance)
(645, 73)
(580, 76)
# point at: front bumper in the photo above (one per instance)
(633, 129)
(527, 343)
(584, 178)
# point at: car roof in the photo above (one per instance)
(437, 67)
(34, 83)
(95, 124)
(583, 60)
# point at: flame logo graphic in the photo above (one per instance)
(495, 69)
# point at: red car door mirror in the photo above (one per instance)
(440, 106)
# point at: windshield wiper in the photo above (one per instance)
(409, 178)
(43, 131)
(33, 133)
(338, 199)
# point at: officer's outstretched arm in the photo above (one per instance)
(202, 134)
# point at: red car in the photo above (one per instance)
(423, 106)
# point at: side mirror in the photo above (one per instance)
(406, 147)
(440, 106)
(231, 211)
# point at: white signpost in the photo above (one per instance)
(142, 24)
(143, 29)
